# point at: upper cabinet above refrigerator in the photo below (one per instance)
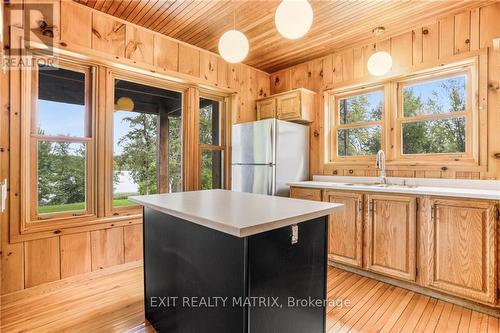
(294, 105)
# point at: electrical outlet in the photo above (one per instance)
(496, 44)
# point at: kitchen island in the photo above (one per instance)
(224, 261)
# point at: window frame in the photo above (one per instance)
(20, 87)
(470, 156)
(114, 74)
(333, 125)
(31, 207)
(476, 158)
(224, 132)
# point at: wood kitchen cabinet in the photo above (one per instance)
(457, 242)
(345, 229)
(305, 193)
(266, 108)
(391, 236)
(462, 239)
(295, 105)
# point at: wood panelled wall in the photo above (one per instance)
(110, 41)
(429, 45)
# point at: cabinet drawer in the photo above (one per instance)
(305, 193)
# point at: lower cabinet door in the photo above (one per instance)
(462, 241)
(345, 235)
(391, 236)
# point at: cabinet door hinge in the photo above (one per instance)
(416, 271)
(418, 204)
(498, 293)
(497, 214)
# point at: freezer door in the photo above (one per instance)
(253, 178)
(253, 143)
(292, 155)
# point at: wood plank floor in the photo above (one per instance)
(114, 303)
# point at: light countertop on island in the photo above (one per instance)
(236, 213)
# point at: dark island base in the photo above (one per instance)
(190, 270)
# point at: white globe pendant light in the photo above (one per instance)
(233, 46)
(293, 18)
(379, 63)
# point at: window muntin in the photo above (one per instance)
(61, 142)
(435, 114)
(212, 145)
(147, 141)
(358, 123)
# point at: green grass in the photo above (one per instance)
(79, 206)
(122, 202)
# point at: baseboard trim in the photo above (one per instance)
(495, 312)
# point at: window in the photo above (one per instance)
(435, 114)
(424, 119)
(212, 145)
(61, 142)
(147, 141)
(357, 123)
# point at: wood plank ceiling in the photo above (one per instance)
(337, 23)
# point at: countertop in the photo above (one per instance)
(475, 189)
(236, 213)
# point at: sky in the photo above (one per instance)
(425, 91)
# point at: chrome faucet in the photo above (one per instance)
(380, 164)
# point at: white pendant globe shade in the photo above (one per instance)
(379, 63)
(233, 46)
(293, 18)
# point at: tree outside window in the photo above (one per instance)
(211, 144)
(147, 141)
(358, 123)
(434, 116)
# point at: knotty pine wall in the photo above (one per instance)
(44, 258)
(442, 39)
